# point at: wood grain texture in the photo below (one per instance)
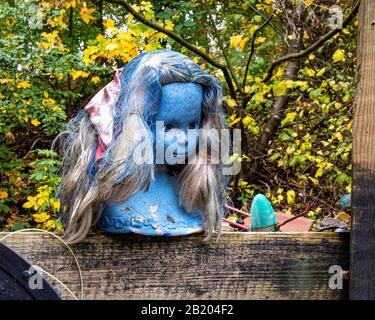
(362, 284)
(238, 266)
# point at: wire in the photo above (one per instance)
(65, 244)
(56, 279)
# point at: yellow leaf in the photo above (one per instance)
(41, 217)
(110, 27)
(232, 123)
(280, 88)
(5, 80)
(338, 56)
(169, 25)
(260, 40)
(247, 121)
(1, 96)
(348, 189)
(31, 202)
(55, 203)
(109, 23)
(35, 122)
(290, 196)
(338, 136)
(235, 41)
(310, 72)
(111, 46)
(52, 40)
(23, 85)
(319, 172)
(49, 225)
(260, 96)
(315, 181)
(61, 22)
(231, 103)
(51, 22)
(89, 54)
(289, 83)
(3, 195)
(243, 42)
(95, 80)
(79, 73)
(48, 101)
(70, 4)
(86, 14)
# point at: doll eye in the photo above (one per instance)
(168, 127)
(192, 125)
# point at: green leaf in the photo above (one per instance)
(321, 72)
(290, 117)
(315, 93)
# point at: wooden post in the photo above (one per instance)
(362, 283)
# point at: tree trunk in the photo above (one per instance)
(273, 122)
(362, 283)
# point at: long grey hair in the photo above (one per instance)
(87, 185)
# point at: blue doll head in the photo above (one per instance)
(157, 86)
(178, 121)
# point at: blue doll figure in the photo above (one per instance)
(141, 157)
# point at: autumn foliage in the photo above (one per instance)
(56, 54)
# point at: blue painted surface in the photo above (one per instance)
(177, 122)
(157, 212)
(154, 212)
(179, 106)
(262, 213)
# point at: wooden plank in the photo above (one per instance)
(241, 265)
(362, 284)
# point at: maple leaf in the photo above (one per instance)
(86, 14)
(23, 85)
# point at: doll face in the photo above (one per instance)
(178, 120)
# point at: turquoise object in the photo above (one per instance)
(345, 202)
(155, 212)
(262, 215)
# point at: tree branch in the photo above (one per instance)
(314, 46)
(265, 17)
(179, 40)
(225, 54)
(252, 50)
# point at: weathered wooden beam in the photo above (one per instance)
(362, 283)
(238, 266)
